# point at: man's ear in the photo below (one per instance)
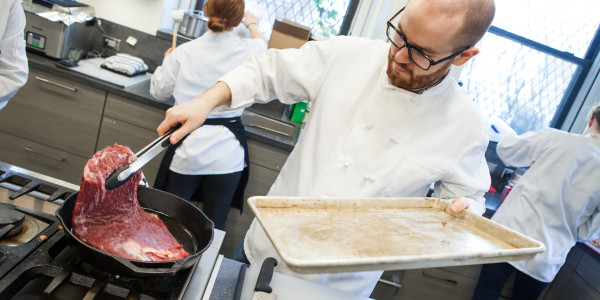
(465, 56)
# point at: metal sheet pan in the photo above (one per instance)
(328, 235)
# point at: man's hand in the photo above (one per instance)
(458, 205)
(193, 113)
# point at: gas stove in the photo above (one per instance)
(37, 261)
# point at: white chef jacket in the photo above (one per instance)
(188, 71)
(13, 61)
(557, 201)
(364, 137)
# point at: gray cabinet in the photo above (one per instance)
(579, 278)
(41, 158)
(433, 283)
(131, 124)
(265, 163)
(51, 125)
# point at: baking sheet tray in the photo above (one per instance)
(331, 235)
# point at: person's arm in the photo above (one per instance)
(164, 78)
(289, 75)
(251, 22)
(519, 150)
(275, 73)
(13, 60)
(590, 230)
(193, 113)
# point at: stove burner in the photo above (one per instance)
(31, 228)
(58, 271)
(11, 222)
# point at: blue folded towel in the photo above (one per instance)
(126, 64)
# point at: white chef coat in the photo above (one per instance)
(364, 137)
(187, 72)
(557, 201)
(13, 60)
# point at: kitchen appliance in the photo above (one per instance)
(41, 262)
(53, 27)
(194, 24)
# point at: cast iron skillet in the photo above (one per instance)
(186, 222)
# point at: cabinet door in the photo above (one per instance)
(133, 112)
(56, 112)
(41, 158)
(433, 283)
(259, 183)
(265, 163)
(116, 131)
(578, 288)
(589, 269)
(267, 156)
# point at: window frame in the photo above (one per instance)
(584, 66)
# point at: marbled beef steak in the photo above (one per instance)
(112, 220)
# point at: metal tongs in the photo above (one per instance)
(122, 174)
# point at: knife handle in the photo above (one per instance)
(240, 282)
(265, 275)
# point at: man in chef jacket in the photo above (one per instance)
(386, 119)
(13, 61)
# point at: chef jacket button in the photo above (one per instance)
(369, 126)
(369, 178)
(414, 99)
(388, 193)
(347, 164)
(394, 139)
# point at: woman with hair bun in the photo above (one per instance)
(211, 164)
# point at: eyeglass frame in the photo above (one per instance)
(411, 47)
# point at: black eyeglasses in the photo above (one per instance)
(415, 54)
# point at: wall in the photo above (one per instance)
(142, 15)
(371, 16)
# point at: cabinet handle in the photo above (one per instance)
(268, 129)
(440, 278)
(396, 285)
(56, 84)
(44, 154)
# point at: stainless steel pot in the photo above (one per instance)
(194, 24)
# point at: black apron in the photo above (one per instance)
(237, 128)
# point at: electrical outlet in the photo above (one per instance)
(112, 42)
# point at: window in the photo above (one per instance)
(534, 60)
(327, 18)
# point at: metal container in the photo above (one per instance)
(194, 24)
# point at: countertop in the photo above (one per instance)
(141, 93)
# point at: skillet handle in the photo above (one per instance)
(141, 267)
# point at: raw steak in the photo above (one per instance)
(112, 220)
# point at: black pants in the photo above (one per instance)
(215, 191)
(494, 276)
